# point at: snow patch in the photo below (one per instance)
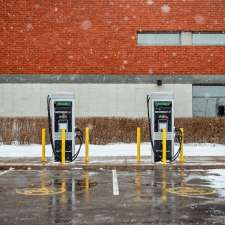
(117, 149)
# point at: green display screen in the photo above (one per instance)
(163, 105)
(63, 103)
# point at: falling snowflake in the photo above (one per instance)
(126, 18)
(29, 27)
(86, 24)
(165, 8)
(174, 54)
(125, 61)
(70, 57)
(122, 67)
(150, 71)
(199, 19)
(150, 2)
(90, 126)
(56, 9)
(36, 6)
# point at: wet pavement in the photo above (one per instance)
(160, 196)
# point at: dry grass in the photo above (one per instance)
(110, 130)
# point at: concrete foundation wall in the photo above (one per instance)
(101, 100)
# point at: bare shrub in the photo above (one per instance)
(111, 130)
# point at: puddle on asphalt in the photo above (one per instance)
(214, 179)
(58, 185)
(79, 184)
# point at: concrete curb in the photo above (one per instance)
(104, 166)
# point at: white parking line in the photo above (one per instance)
(6, 171)
(115, 183)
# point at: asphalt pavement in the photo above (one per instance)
(103, 196)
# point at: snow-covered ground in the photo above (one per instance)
(119, 149)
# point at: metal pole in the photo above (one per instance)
(87, 144)
(182, 146)
(43, 140)
(63, 146)
(138, 144)
(164, 146)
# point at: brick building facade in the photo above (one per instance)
(91, 47)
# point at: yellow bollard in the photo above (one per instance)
(138, 144)
(182, 146)
(87, 144)
(43, 140)
(63, 146)
(164, 146)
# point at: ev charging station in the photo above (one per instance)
(61, 115)
(160, 106)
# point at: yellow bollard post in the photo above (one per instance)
(182, 146)
(63, 146)
(138, 144)
(43, 140)
(87, 145)
(164, 146)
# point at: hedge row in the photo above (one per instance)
(111, 130)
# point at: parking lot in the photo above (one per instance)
(161, 196)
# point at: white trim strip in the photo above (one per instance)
(115, 183)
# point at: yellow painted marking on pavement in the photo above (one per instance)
(40, 191)
(191, 191)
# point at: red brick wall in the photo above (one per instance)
(99, 36)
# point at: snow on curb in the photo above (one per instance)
(118, 149)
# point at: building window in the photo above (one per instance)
(180, 38)
(220, 110)
(158, 38)
(208, 39)
(208, 100)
